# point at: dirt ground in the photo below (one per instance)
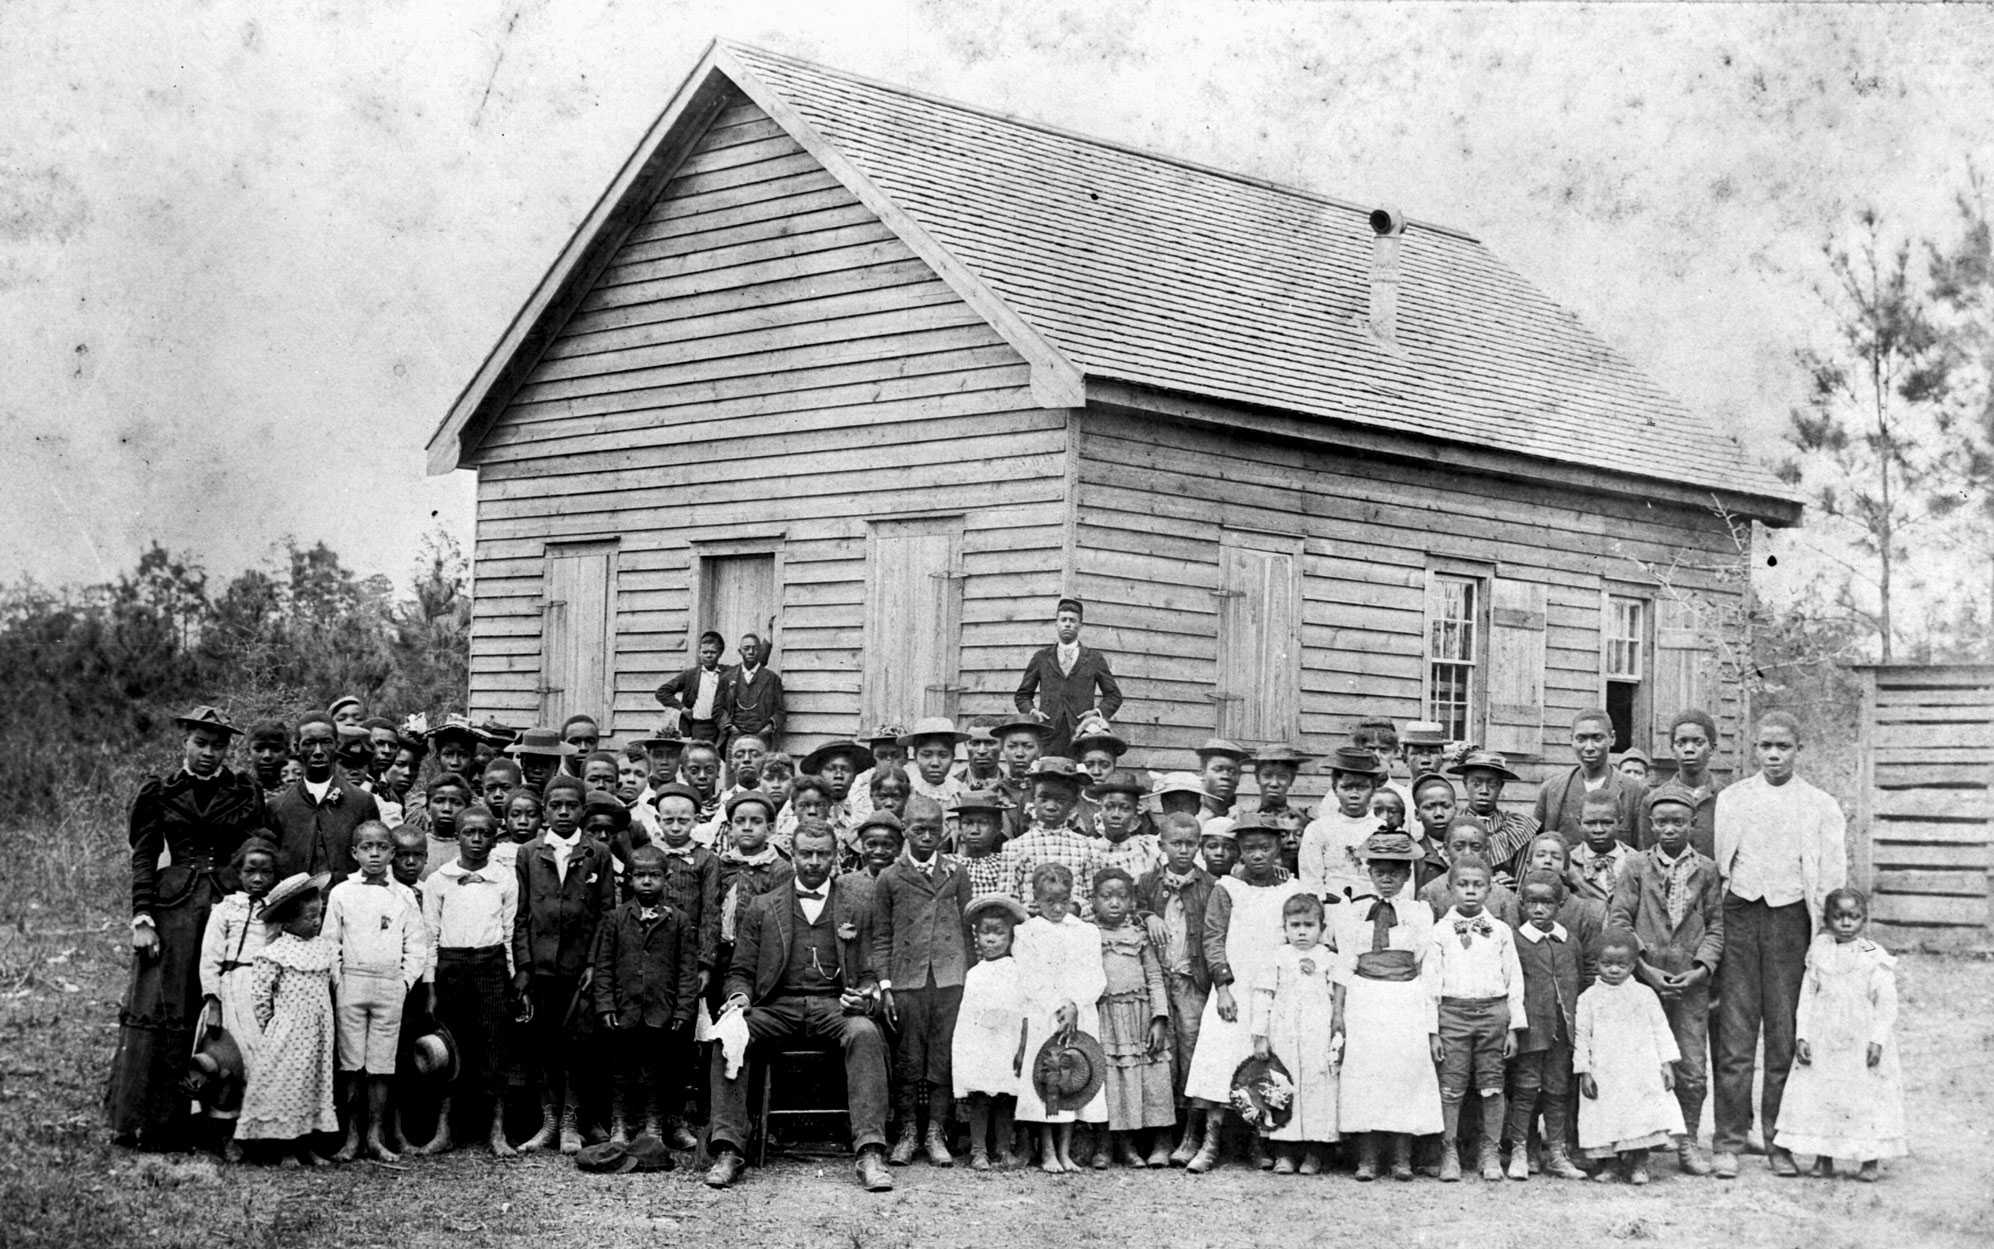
(62, 1183)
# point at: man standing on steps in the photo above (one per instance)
(750, 699)
(798, 972)
(1065, 677)
(695, 693)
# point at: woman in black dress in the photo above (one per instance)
(196, 818)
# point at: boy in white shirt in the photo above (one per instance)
(1472, 972)
(375, 923)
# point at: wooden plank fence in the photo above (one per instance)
(1924, 837)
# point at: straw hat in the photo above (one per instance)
(1485, 761)
(1263, 1092)
(932, 726)
(541, 741)
(1069, 1071)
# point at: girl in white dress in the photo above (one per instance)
(1294, 1012)
(987, 1054)
(1059, 964)
(1623, 1053)
(234, 937)
(1845, 1096)
(1243, 930)
(290, 1095)
(1388, 1090)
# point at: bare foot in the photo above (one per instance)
(1068, 1165)
(310, 1159)
(232, 1152)
(351, 1149)
(438, 1144)
(500, 1149)
(378, 1150)
(289, 1162)
(1052, 1166)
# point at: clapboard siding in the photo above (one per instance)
(1155, 497)
(764, 357)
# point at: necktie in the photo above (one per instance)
(1383, 916)
(815, 895)
(470, 878)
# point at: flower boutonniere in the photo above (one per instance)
(848, 932)
(333, 795)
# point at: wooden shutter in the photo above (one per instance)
(1685, 667)
(1516, 666)
(1259, 640)
(913, 620)
(578, 633)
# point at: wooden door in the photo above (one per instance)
(578, 632)
(913, 620)
(739, 596)
(1260, 639)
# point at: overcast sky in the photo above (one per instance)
(249, 253)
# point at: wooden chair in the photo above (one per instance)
(815, 1078)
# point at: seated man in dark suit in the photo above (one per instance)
(751, 698)
(798, 973)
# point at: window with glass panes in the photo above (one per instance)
(1626, 663)
(1453, 648)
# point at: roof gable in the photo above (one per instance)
(1098, 263)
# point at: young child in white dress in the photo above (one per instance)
(1845, 1097)
(1059, 965)
(234, 937)
(290, 1093)
(987, 1053)
(1623, 1053)
(1294, 1010)
(1242, 931)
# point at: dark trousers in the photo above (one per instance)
(1758, 987)
(1541, 1080)
(474, 1000)
(814, 1019)
(553, 1046)
(1472, 1032)
(701, 730)
(1689, 1020)
(921, 1047)
(650, 1068)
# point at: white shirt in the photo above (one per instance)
(562, 849)
(708, 690)
(318, 789)
(1327, 861)
(1484, 968)
(812, 907)
(473, 915)
(1781, 843)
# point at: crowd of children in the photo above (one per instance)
(402, 932)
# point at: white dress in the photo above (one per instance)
(1622, 1038)
(1252, 938)
(1388, 1083)
(986, 1029)
(1838, 1105)
(1058, 963)
(229, 947)
(1294, 1006)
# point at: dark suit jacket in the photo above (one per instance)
(750, 705)
(1062, 697)
(318, 837)
(761, 944)
(553, 932)
(1641, 905)
(917, 928)
(683, 690)
(1562, 796)
(1150, 900)
(647, 973)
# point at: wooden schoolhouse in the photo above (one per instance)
(880, 375)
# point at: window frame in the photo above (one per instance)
(1640, 709)
(1474, 711)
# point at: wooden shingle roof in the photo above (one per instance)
(1109, 265)
(1153, 271)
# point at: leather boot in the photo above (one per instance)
(1187, 1148)
(1367, 1158)
(619, 1120)
(1558, 1163)
(937, 1145)
(1207, 1156)
(1491, 1152)
(1450, 1142)
(1690, 1159)
(571, 1126)
(550, 1127)
(906, 1144)
(872, 1176)
(1401, 1156)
